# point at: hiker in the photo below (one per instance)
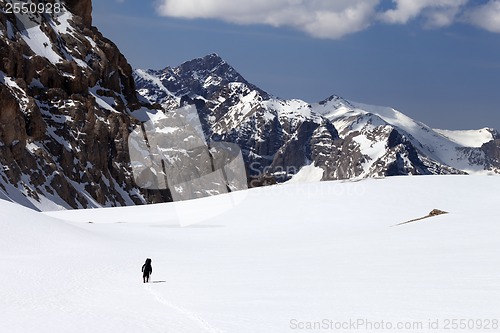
(147, 270)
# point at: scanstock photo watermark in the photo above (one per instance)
(170, 152)
(429, 325)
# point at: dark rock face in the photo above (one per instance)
(82, 9)
(64, 115)
(492, 152)
(201, 77)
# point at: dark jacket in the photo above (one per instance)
(146, 268)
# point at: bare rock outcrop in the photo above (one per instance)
(82, 9)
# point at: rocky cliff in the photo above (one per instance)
(66, 94)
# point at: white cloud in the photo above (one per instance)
(336, 18)
(319, 18)
(437, 13)
(442, 17)
(331, 24)
(486, 16)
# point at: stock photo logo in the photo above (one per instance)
(170, 152)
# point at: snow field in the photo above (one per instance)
(296, 251)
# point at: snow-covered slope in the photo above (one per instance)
(447, 149)
(281, 255)
(470, 138)
(439, 151)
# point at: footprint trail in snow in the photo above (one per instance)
(188, 314)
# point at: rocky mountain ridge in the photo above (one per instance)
(66, 93)
(278, 137)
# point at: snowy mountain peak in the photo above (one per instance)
(208, 70)
(209, 62)
(335, 102)
(197, 78)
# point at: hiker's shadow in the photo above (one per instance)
(158, 281)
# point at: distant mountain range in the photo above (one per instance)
(346, 139)
(69, 100)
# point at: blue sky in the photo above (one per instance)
(438, 62)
